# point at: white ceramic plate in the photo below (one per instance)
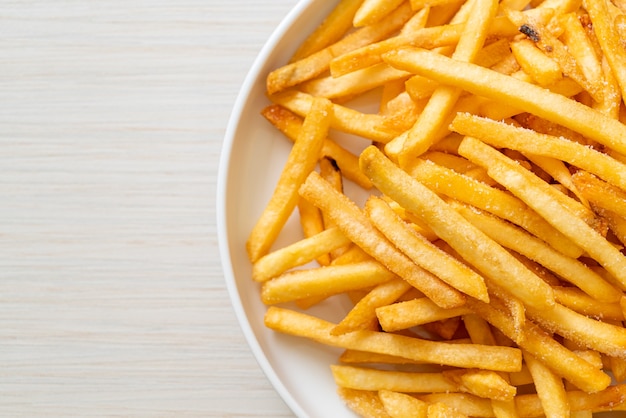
(252, 158)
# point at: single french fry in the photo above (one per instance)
(364, 312)
(354, 83)
(401, 405)
(459, 355)
(297, 254)
(582, 303)
(373, 379)
(363, 402)
(538, 195)
(334, 26)
(301, 161)
(602, 336)
(471, 405)
(488, 83)
(474, 246)
(355, 225)
(602, 194)
(549, 386)
(535, 63)
(403, 315)
(608, 39)
(372, 11)
(323, 281)
(441, 410)
(483, 383)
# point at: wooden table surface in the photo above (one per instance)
(112, 299)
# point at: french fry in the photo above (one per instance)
(485, 270)
(372, 11)
(297, 254)
(355, 225)
(499, 134)
(493, 200)
(334, 26)
(315, 64)
(601, 193)
(535, 63)
(301, 161)
(550, 388)
(423, 133)
(365, 403)
(290, 124)
(608, 40)
(323, 281)
(348, 120)
(364, 312)
(458, 355)
(403, 315)
(475, 247)
(373, 379)
(401, 405)
(423, 252)
(520, 241)
(504, 89)
(602, 336)
(538, 195)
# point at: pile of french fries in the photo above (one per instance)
(486, 270)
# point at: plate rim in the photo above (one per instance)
(222, 176)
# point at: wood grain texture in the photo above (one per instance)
(112, 300)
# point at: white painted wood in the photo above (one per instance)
(112, 301)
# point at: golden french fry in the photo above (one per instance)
(499, 134)
(372, 11)
(301, 161)
(459, 355)
(297, 254)
(355, 225)
(535, 63)
(423, 133)
(528, 97)
(520, 241)
(482, 383)
(473, 245)
(364, 312)
(334, 26)
(315, 64)
(373, 379)
(367, 125)
(549, 386)
(602, 194)
(401, 405)
(363, 402)
(324, 281)
(411, 313)
(423, 252)
(493, 200)
(538, 195)
(290, 124)
(591, 333)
